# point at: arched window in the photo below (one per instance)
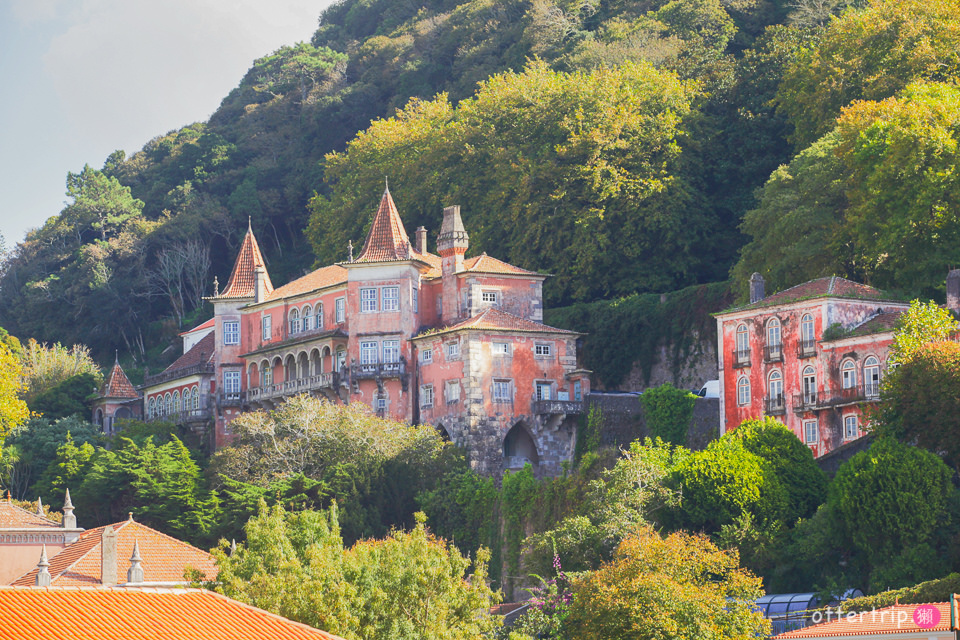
(307, 318)
(775, 389)
(294, 321)
(806, 329)
(848, 374)
(318, 316)
(851, 430)
(152, 411)
(176, 402)
(168, 401)
(266, 374)
(773, 333)
(871, 377)
(743, 391)
(196, 397)
(743, 340)
(809, 385)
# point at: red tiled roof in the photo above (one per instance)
(243, 279)
(13, 517)
(52, 613)
(118, 384)
(387, 239)
(493, 319)
(485, 264)
(200, 353)
(319, 279)
(164, 558)
(830, 287)
(206, 325)
(895, 619)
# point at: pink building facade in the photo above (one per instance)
(810, 356)
(435, 338)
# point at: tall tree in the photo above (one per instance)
(100, 203)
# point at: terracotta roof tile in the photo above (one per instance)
(493, 319)
(830, 287)
(52, 613)
(164, 558)
(895, 619)
(485, 264)
(200, 353)
(118, 384)
(387, 239)
(243, 279)
(206, 325)
(13, 517)
(319, 279)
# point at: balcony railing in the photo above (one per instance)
(741, 358)
(293, 387)
(805, 401)
(557, 407)
(773, 353)
(806, 348)
(183, 417)
(378, 370)
(775, 405)
(160, 378)
(231, 399)
(871, 390)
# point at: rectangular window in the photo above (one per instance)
(231, 382)
(319, 317)
(452, 391)
(851, 429)
(391, 298)
(542, 350)
(426, 356)
(501, 348)
(415, 299)
(426, 396)
(266, 326)
(382, 402)
(578, 391)
(502, 391)
(341, 310)
(543, 390)
(231, 332)
(369, 352)
(453, 350)
(391, 351)
(490, 297)
(811, 433)
(368, 300)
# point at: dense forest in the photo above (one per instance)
(625, 146)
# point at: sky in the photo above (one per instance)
(80, 79)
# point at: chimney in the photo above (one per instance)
(452, 244)
(756, 288)
(108, 557)
(69, 520)
(953, 290)
(135, 572)
(43, 573)
(421, 239)
(260, 290)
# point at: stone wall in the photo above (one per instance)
(690, 372)
(623, 420)
(830, 462)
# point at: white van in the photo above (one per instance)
(710, 389)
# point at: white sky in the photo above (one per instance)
(80, 79)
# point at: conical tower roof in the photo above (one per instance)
(118, 385)
(243, 279)
(387, 240)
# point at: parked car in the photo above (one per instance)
(710, 389)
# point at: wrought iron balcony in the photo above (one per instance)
(871, 390)
(378, 370)
(557, 407)
(293, 387)
(806, 401)
(806, 348)
(773, 353)
(741, 358)
(775, 405)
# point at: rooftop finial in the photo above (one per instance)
(130, 516)
(43, 573)
(249, 224)
(233, 547)
(135, 572)
(386, 184)
(39, 506)
(350, 250)
(216, 287)
(69, 520)
(116, 356)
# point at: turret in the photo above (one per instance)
(452, 244)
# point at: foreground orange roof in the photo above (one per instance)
(164, 558)
(52, 613)
(209, 324)
(485, 264)
(13, 517)
(898, 619)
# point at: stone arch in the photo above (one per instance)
(100, 418)
(303, 365)
(123, 413)
(316, 362)
(444, 434)
(253, 375)
(289, 368)
(520, 447)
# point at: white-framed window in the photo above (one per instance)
(415, 299)
(168, 401)
(381, 402)
(368, 300)
(577, 390)
(307, 318)
(848, 374)
(196, 397)
(177, 408)
(871, 377)
(811, 431)
(391, 298)
(452, 391)
(453, 350)
(318, 316)
(426, 355)
(809, 385)
(294, 317)
(807, 329)
(231, 332)
(341, 358)
(773, 333)
(543, 390)
(266, 375)
(369, 352)
(501, 348)
(543, 350)
(775, 387)
(743, 339)
(851, 430)
(503, 391)
(426, 396)
(391, 351)
(743, 391)
(340, 308)
(231, 382)
(152, 411)
(266, 327)
(491, 297)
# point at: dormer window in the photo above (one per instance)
(490, 297)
